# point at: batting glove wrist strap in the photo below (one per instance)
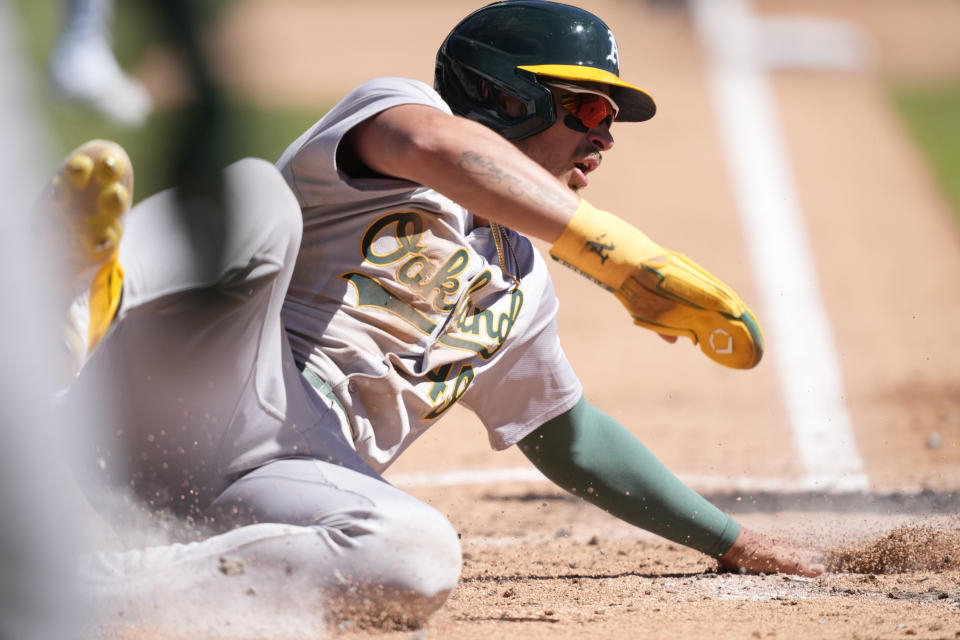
(662, 290)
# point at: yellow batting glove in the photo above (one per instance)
(664, 291)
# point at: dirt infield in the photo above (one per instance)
(539, 564)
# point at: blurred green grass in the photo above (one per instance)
(932, 115)
(249, 130)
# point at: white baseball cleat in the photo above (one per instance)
(81, 214)
(84, 69)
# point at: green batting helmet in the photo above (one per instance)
(515, 47)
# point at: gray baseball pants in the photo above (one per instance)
(195, 369)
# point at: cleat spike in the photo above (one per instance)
(78, 170)
(109, 168)
(113, 200)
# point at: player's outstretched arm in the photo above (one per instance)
(477, 168)
(589, 454)
(465, 161)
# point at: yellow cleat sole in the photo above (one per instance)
(88, 196)
(81, 213)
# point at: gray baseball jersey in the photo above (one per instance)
(401, 304)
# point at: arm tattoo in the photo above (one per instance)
(487, 168)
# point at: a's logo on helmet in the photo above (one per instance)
(614, 55)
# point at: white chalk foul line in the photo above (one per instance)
(800, 337)
(698, 482)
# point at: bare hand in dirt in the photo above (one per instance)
(754, 553)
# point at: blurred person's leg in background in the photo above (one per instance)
(83, 66)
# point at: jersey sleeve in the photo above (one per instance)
(309, 164)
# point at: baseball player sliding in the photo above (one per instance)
(379, 274)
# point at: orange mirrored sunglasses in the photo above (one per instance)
(588, 108)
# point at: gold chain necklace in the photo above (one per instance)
(499, 240)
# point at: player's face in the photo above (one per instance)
(570, 149)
